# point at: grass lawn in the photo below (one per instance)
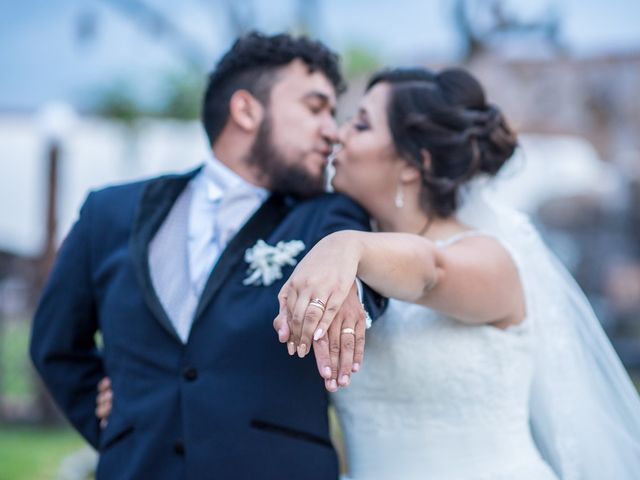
(35, 454)
(15, 366)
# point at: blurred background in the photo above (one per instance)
(94, 92)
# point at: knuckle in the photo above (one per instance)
(310, 316)
(348, 343)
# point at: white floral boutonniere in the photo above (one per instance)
(266, 261)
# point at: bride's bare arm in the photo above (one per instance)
(474, 280)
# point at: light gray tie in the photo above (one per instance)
(227, 214)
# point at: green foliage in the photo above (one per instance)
(15, 370)
(183, 95)
(360, 60)
(180, 98)
(119, 103)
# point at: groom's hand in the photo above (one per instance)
(104, 401)
(340, 352)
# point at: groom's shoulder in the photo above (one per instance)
(327, 209)
(131, 192)
(327, 201)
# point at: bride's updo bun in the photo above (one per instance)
(442, 124)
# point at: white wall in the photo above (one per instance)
(94, 153)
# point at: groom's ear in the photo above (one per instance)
(246, 111)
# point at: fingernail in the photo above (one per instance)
(333, 385)
(356, 367)
(327, 372)
(344, 380)
(280, 333)
(291, 348)
(302, 350)
(318, 334)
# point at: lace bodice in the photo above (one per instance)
(438, 399)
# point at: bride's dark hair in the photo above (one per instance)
(446, 115)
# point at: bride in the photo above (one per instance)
(488, 363)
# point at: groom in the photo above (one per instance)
(201, 388)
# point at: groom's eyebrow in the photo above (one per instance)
(323, 98)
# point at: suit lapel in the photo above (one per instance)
(157, 199)
(260, 225)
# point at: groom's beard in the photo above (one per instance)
(284, 176)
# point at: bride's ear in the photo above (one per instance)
(409, 173)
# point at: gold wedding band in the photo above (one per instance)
(316, 302)
(348, 330)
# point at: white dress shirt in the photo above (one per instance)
(222, 203)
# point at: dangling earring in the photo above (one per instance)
(399, 199)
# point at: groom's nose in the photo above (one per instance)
(329, 130)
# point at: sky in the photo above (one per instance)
(43, 59)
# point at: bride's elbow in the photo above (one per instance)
(433, 276)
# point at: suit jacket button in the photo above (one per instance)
(178, 447)
(190, 374)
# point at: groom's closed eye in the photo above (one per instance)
(319, 102)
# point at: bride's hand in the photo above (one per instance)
(340, 352)
(317, 289)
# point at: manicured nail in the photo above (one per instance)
(326, 372)
(302, 350)
(344, 380)
(333, 385)
(291, 348)
(356, 367)
(318, 334)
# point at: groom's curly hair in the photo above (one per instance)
(252, 63)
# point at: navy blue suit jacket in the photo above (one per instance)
(230, 404)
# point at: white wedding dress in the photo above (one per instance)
(440, 400)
